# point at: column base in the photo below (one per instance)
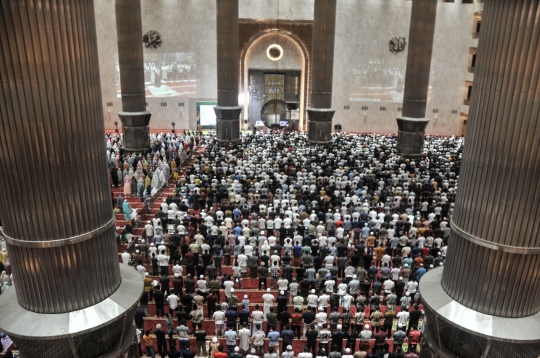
(135, 130)
(320, 125)
(453, 330)
(103, 330)
(411, 131)
(227, 124)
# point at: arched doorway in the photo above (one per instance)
(255, 65)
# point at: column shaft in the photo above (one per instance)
(320, 113)
(227, 52)
(412, 124)
(56, 214)
(130, 55)
(227, 110)
(324, 29)
(495, 237)
(419, 49)
(135, 119)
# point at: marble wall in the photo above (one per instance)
(366, 73)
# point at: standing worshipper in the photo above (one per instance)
(126, 208)
(127, 186)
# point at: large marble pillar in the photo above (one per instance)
(320, 112)
(134, 116)
(227, 111)
(485, 302)
(70, 297)
(412, 123)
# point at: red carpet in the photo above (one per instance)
(249, 285)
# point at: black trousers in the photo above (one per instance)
(162, 347)
(263, 281)
(160, 309)
(298, 329)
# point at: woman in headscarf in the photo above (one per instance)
(127, 210)
(155, 179)
(114, 177)
(162, 179)
(133, 187)
(119, 203)
(127, 187)
(148, 180)
(140, 188)
(120, 176)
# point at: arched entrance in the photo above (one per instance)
(256, 67)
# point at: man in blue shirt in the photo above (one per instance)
(287, 337)
(273, 337)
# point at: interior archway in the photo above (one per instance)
(254, 56)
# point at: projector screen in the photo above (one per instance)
(208, 116)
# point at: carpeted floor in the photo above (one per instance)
(249, 285)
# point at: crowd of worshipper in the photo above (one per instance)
(342, 233)
(141, 175)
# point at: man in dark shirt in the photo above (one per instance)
(368, 259)
(253, 263)
(282, 301)
(364, 287)
(139, 317)
(189, 284)
(380, 339)
(178, 284)
(317, 262)
(263, 274)
(377, 286)
(165, 283)
(400, 285)
(265, 258)
(288, 273)
(334, 300)
(231, 316)
(187, 301)
(159, 298)
(182, 315)
(188, 353)
(244, 315)
(414, 318)
(271, 318)
(201, 269)
(304, 287)
(337, 338)
(287, 336)
(300, 271)
(161, 341)
(200, 340)
(283, 317)
(211, 300)
(309, 317)
(312, 335)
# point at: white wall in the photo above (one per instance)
(363, 30)
(186, 26)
